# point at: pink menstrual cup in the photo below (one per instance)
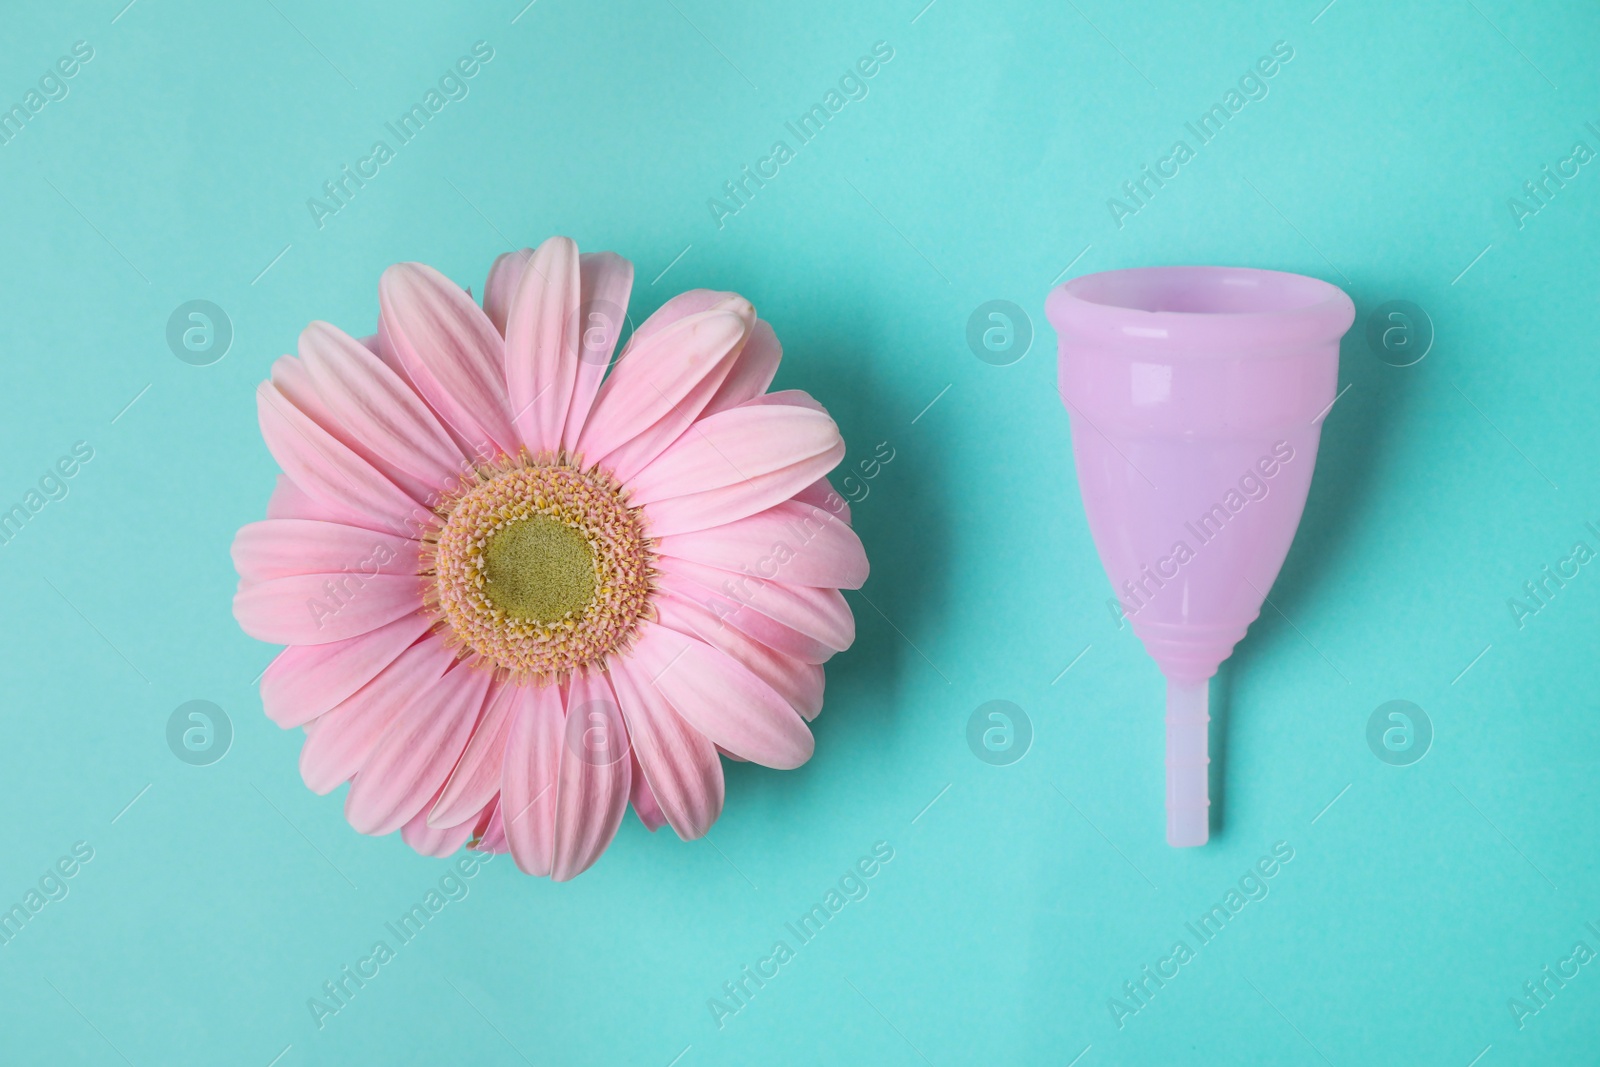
(1196, 396)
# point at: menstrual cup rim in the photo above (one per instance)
(1073, 311)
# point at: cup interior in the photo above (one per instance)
(1203, 290)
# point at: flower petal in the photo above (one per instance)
(734, 464)
(680, 765)
(798, 682)
(316, 609)
(528, 779)
(796, 398)
(451, 352)
(329, 472)
(417, 752)
(492, 838)
(504, 276)
(541, 344)
(792, 542)
(675, 309)
(375, 344)
(291, 378)
(432, 841)
(592, 784)
(730, 608)
(607, 282)
(345, 737)
(306, 681)
(818, 613)
(380, 410)
(752, 372)
(476, 779)
(820, 493)
(289, 501)
(278, 548)
(658, 388)
(643, 801)
(722, 698)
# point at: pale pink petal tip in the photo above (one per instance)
(643, 802)
(430, 841)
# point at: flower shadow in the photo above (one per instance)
(890, 476)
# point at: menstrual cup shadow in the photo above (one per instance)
(1221, 745)
(1356, 435)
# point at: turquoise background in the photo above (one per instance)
(1019, 898)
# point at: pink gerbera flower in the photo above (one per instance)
(520, 593)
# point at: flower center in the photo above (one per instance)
(540, 568)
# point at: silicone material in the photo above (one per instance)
(1196, 397)
(1188, 764)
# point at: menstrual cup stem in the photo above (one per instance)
(1188, 803)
